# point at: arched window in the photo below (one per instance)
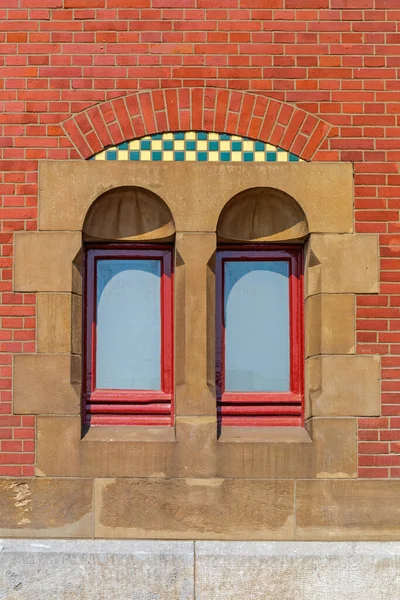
(128, 309)
(259, 274)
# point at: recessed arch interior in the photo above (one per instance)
(262, 214)
(128, 213)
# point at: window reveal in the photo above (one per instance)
(128, 374)
(259, 336)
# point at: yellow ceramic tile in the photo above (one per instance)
(236, 157)
(134, 145)
(259, 156)
(202, 145)
(190, 156)
(123, 155)
(190, 135)
(179, 144)
(145, 155)
(156, 145)
(224, 145)
(282, 156)
(213, 136)
(213, 156)
(168, 155)
(248, 146)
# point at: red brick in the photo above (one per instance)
(302, 4)
(373, 473)
(373, 448)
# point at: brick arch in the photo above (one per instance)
(213, 109)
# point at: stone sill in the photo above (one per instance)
(105, 433)
(272, 435)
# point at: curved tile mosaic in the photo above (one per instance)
(196, 146)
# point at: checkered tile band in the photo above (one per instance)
(196, 146)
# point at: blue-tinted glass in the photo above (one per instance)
(134, 155)
(248, 156)
(179, 156)
(123, 146)
(256, 305)
(128, 349)
(224, 136)
(225, 156)
(271, 156)
(156, 155)
(201, 135)
(293, 158)
(179, 136)
(111, 155)
(236, 146)
(259, 146)
(145, 144)
(168, 145)
(157, 136)
(202, 156)
(190, 145)
(213, 145)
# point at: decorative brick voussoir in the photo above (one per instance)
(203, 109)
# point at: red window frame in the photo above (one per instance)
(260, 408)
(128, 407)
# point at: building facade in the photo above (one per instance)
(168, 171)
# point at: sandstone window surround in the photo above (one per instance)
(339, 387)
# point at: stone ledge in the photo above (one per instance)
(176, 570)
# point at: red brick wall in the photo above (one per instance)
(336, 59)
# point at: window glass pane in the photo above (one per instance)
(128, 349)
(256, 317)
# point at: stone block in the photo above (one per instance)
(45, 507)
(59, 323)
(56, 439)
(197, 439)
(335, 447)
(44, 261)
(194, 508)
(341, 386)
(100, 455)
(47, 384)
(297, 570)
(339, 509)
(97, 570)
(324, 191)
(330, 324)
(270, 458)
(343, 264)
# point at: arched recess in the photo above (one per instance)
(214, 109)
(262, 214)
(128, 214)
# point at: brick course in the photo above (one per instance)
(319, 77)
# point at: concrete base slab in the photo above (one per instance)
(297, 571)
(95, 570)
(163, 570)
